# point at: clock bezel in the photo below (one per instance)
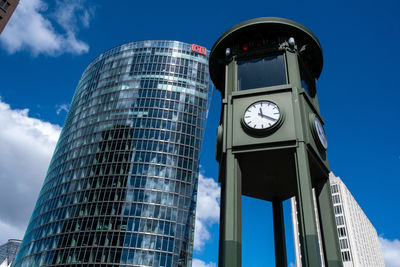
(313, 117)
(267, 130)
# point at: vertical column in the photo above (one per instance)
(330, 238)
(305, 206)
(279, 234)
(230, 254)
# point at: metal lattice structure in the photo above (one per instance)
(8, 252)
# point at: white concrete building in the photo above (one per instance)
(358, 240)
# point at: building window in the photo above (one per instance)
(335, 199)
(334, 188)
(339, 220)
(261, 72)
(346, 256)
(4, 5)
(307, 83)
(342, 231)
(337, 209)
(343, 243)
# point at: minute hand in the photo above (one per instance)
(268, 117)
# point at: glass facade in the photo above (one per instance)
(122, 184)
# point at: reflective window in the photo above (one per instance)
(342, 231)
(343, 243)
(337, 209)
(261, 72)
(335, 199)
(308, 84)
(339, 220)
(346, 256)
(307, 79)
(334, 188)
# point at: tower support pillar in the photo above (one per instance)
(231, 216)
(305, 209)
(328, 225)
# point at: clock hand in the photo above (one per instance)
(267, 117)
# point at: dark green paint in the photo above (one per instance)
(279, 164)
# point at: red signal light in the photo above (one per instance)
(245, 47)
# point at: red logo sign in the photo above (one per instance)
(199, 49)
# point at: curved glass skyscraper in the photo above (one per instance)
(121, 186)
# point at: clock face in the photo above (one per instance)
(261, 115)
(320, 132)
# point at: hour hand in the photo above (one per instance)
(261, 113)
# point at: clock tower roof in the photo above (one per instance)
(306, 41)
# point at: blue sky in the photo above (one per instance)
(47, 45)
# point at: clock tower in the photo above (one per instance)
(271, 143)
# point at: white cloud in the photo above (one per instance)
(207, 212)
(200, 263)
(391, 251)
(26, 148)
(31, 28)
(61, 108)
